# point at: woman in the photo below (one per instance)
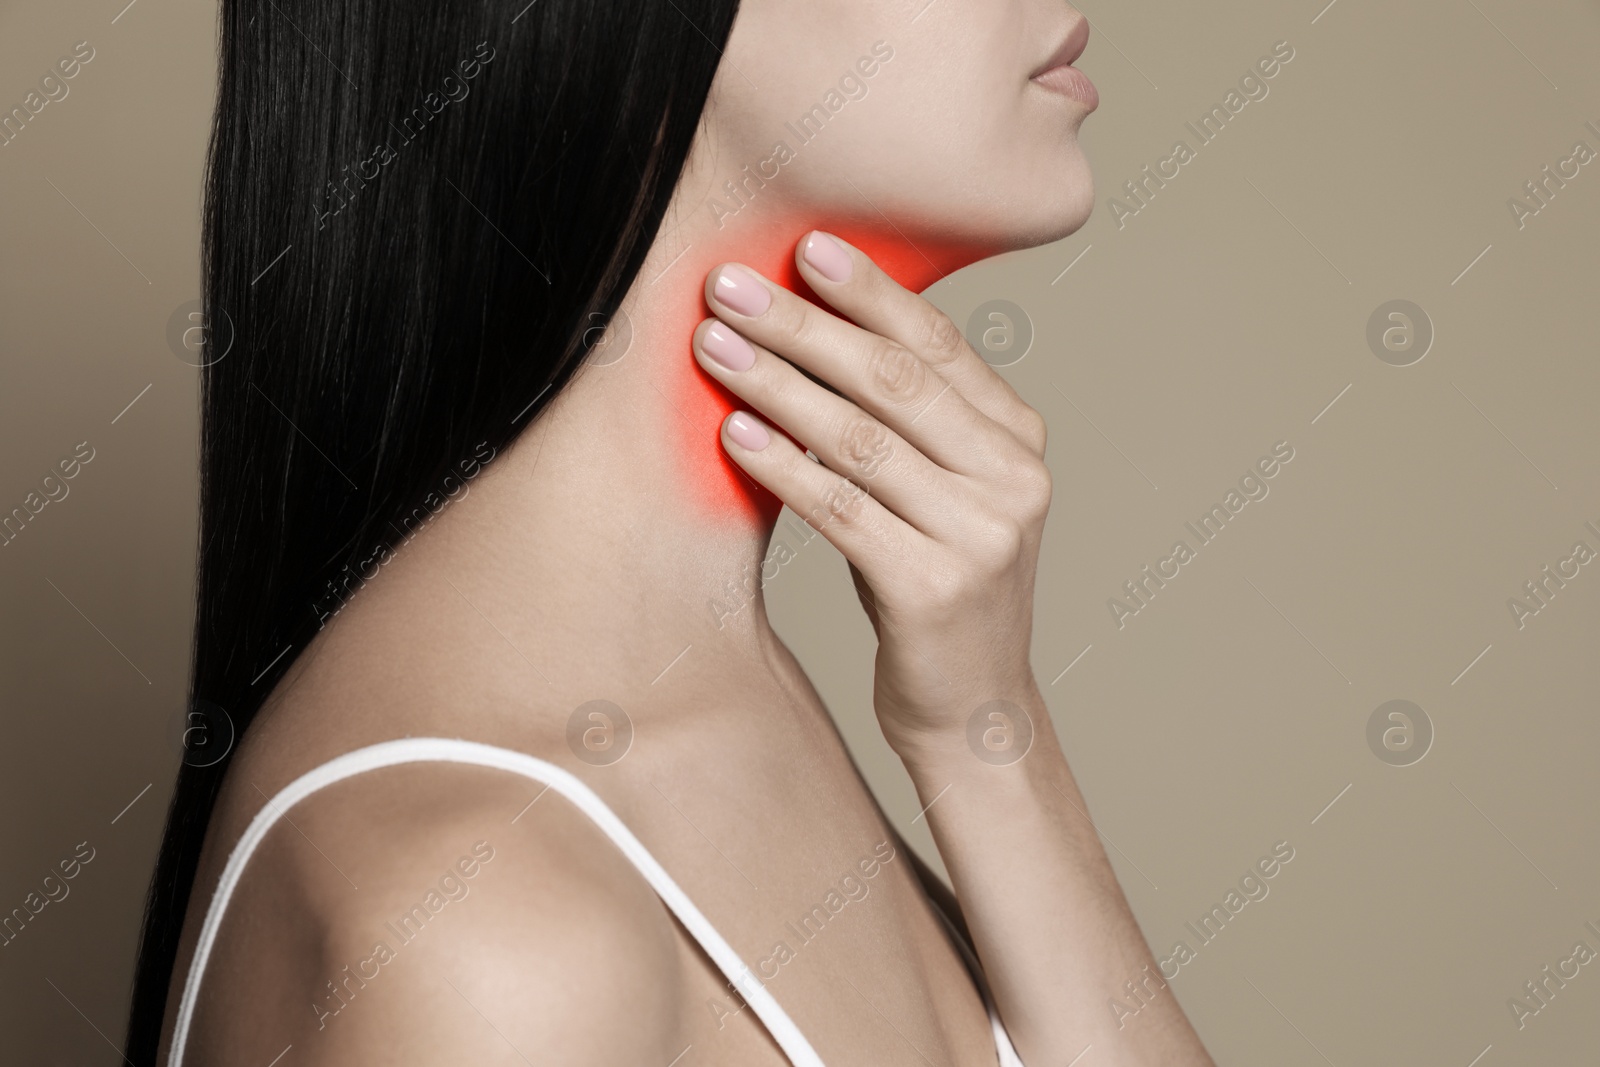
(473, 477)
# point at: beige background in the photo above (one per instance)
(1226, 316)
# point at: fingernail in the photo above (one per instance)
(827, 257)
(747, 433)
(728, 348)
(742, 291)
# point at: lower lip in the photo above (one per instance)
(1070, 81)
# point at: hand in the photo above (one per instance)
(931, 478)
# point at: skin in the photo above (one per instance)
(536, 593)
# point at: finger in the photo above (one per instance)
(862, 529)
(847, 440)
(882, 376)
(858, 288)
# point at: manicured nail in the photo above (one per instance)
(728, 348)
(747, 433)
(742, 291)
(827, 257)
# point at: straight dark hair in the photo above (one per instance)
(418, 218)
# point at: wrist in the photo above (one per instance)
(984, 736)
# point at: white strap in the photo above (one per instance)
(429, 749)
(1004, 1049)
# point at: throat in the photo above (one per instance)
(719, 489)
(617, 531)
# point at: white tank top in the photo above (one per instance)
(438, 749)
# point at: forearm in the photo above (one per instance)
(932, 483)
(1051, 925)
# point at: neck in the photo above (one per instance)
(624, 518)
(717, 488)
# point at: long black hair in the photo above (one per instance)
(416, 213)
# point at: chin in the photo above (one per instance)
(1072, 208)
(1047, 212)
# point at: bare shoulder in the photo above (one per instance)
(432, 913)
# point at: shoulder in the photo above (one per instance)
(430, 913)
